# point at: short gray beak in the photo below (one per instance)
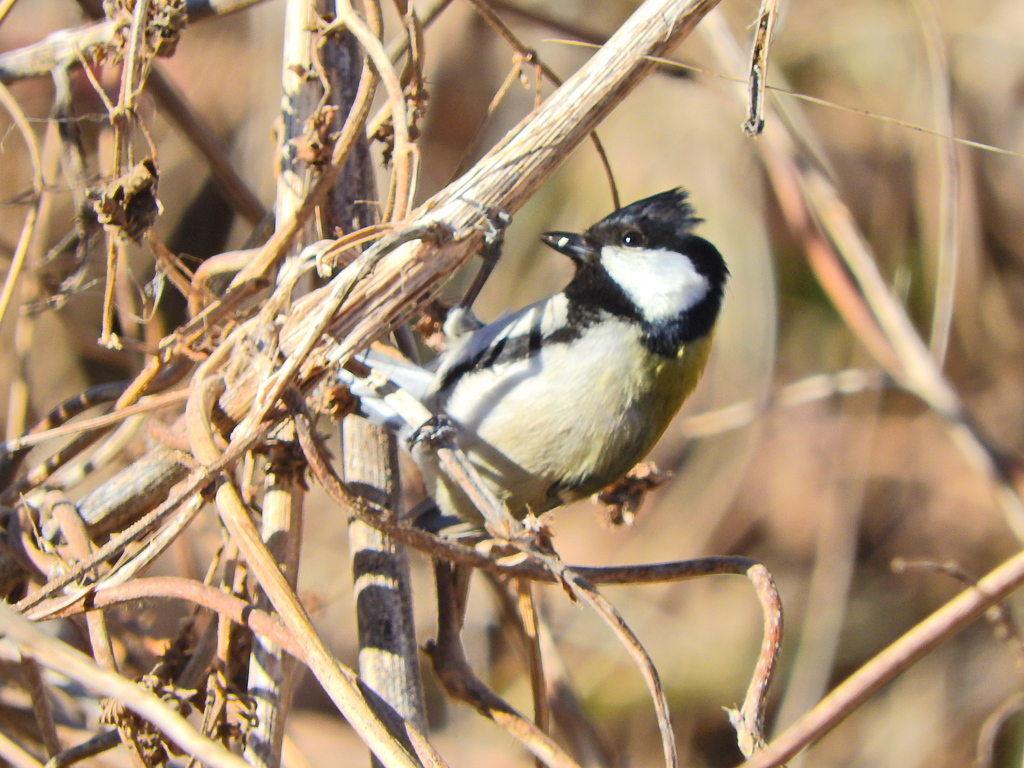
(571, 244)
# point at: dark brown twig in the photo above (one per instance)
(748, 720)
(41, 705)
(758, 80)
(97, 745)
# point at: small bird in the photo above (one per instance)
(562, 398)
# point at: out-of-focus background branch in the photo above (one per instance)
(824, 478)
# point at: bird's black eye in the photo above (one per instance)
(633, 239)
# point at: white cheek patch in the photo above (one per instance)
(661, 283)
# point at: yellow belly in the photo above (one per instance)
(551, 438)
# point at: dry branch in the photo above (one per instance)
(271, 673)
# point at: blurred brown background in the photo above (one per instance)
(825, 493)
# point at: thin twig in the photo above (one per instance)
(948, 187)
(146, 404)
(758, 80)
(569, 712)
(404, 177)
(121, 118)
(530, 622)
(558, 694)
(748, 720)
(819, 386)
(41, 705)
(582, 589)
(483, 7)
(175, 588)
(94, 746)
(29, 225)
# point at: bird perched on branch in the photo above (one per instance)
(562, 398)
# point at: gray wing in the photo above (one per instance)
(510, 338)
(506, 340)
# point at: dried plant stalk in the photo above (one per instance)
(271, 673)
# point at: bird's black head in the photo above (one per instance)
(664, 220)
(643, 262)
